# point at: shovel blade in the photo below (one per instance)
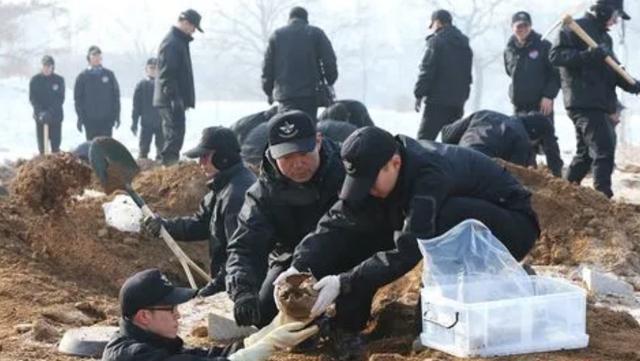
(112, 163)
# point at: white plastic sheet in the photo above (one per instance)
(123, 214)
(466, 255)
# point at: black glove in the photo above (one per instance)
(213, 287)
(79, 125)
(44, 118)
(151, 227)
(636, 88)
(134, 129)
(177, 105)
(270, 99)
(246, 310)
(596, 55)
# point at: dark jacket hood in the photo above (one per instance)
(533, 38)
(453, 35)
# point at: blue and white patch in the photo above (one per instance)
(534, 54)
(55, 87)
(105, 79)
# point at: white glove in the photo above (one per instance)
(329, 289)
(258, 352)
(278, 321)
(283, 276)
(289, 335)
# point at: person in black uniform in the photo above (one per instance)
(46, 94)
(174, 92)
(444, 81)
(149, 327)
(216, 219)
(97, 98)
(146, 113)
(299, 57)
(301, 175)
(349, 111)
(398, 190)
(589, 89)
(498, 135)
(535, 83)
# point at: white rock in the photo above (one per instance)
(602, 283)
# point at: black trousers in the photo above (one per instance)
(517, 230)
(435, 117)
(147, 134)
(308, 105)
(268, 309)
(596, 149)
(173, 126)
(55, 136)
(550, 146)
(98, 128)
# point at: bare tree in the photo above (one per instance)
(19, 45)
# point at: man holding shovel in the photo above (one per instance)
(46, 94)
(216, 218)
(150, 320)
(589, 88)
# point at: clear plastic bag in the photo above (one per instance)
(123, 214)
(468, 256)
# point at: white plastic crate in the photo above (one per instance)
(554, 318)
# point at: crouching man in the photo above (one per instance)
(150, 320)
(396, 191)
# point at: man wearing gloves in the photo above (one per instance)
(589, 88)
(299, 181)
(146, 113)
(398, 190)
(149, 327)
(97, 98)
(175, 91)
(46, 94)
(217, 216)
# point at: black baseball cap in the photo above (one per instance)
(442, 15)
(521, 17)
(152, 61)
(364, 153)
(616, 5)
(48, 60)
(150, 288)
(193, 17)
(291, 132)
(222, 142)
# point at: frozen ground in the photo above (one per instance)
(17, 134)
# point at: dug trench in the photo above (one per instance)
(61, 266)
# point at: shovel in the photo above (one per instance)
(115, 168)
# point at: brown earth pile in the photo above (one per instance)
(45, 183)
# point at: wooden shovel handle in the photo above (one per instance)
(577, 29)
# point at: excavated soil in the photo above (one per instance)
(62, 269)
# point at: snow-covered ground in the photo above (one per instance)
(18, 140)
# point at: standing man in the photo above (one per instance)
(396, 191)
(534, 81)
(298, 61)
(217, 217)
(151, 123)
(97, 98)
(299, 181)
(174, 91)
(46, 94)
(589, 88)
(445, 76)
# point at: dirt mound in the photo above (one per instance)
(173, 190)
(45, 183)
(580, 225)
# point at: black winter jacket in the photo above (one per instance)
(217, 216)
(175, 73)
(532, 75)
(585, 84)
(132, 343)
(97, 96)
(143, 105)
(46, 94)
(297, 57)
(243, 126)
(364, 234)
(445, 72)
(276, 215)
(494, 134)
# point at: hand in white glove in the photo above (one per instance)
(283, 276)
(329, 289)
(258, 352)
(289, 335)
